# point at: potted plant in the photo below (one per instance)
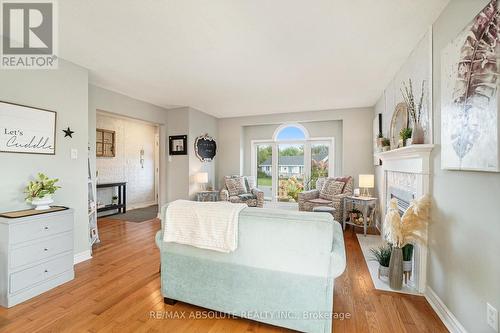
(386, 144)
(400, 231)
(383, 256)
(114, 199)
(39, 191)
(405, 135)
(407, 261)
(415, 111)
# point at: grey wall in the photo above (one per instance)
(178, 166)
(63, 90)
(464, 266)
(200, 123)
(316, 129)
(356, 140)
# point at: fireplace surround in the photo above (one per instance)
(406, 175)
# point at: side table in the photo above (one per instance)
(205, 196)
(364, 203)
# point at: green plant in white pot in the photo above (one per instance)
(382, 255)
(407, 261)
(39, 191)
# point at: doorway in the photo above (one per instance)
(128, 155)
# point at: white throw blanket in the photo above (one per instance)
(207, 225)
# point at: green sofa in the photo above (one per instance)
(282, 272)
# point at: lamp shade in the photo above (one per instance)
(202, 177)
(366, 181)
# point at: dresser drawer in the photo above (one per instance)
(31, 276)
(41, 250)
(37, 228)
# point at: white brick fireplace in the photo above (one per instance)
(406, 175)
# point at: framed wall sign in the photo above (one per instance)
(205, 148)
(25, 129)
(177, 145)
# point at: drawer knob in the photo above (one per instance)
(46, 271)
(45, 249)
(46, 228)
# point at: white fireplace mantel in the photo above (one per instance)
(416, 160)
(411, 159)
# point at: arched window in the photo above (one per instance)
(290, 162)
(291, 132)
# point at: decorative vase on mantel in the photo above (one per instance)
(417, 134)
(396, 269)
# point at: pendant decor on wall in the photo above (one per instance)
(25, 129)
(205, 148)
(469, 89)
(68, 132)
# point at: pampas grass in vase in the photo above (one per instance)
(400, 231)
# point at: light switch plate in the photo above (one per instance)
(74, 153)
(492, 316)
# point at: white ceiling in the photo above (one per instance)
(244, 57)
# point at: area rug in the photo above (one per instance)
(372, 242)
(139, 214)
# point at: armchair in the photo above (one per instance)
(248, 193)
(310, 199)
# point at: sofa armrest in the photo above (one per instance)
(308, 195)
(338, 258)
(340, 197)
(224, 195)
(259, 194)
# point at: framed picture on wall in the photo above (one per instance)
(26, 129)
(177, 145)
(470, 96)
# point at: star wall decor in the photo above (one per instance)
(68, 132)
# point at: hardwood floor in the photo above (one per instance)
(119, 288)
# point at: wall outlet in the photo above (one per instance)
(492, 316)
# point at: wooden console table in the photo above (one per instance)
(121, 206)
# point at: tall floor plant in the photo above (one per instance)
(400, 231)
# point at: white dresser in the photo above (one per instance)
(36, 255)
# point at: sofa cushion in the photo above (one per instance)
(235, 185)
(331, 188)
(320, 201)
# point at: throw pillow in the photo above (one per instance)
(250, 183)
(344, 180)
(235, 185)
(331, 189)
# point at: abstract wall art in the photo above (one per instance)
(469, 95)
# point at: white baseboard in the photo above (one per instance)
(82, 256)
(447, 317)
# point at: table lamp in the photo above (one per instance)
(366, 182)
(202, 178)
